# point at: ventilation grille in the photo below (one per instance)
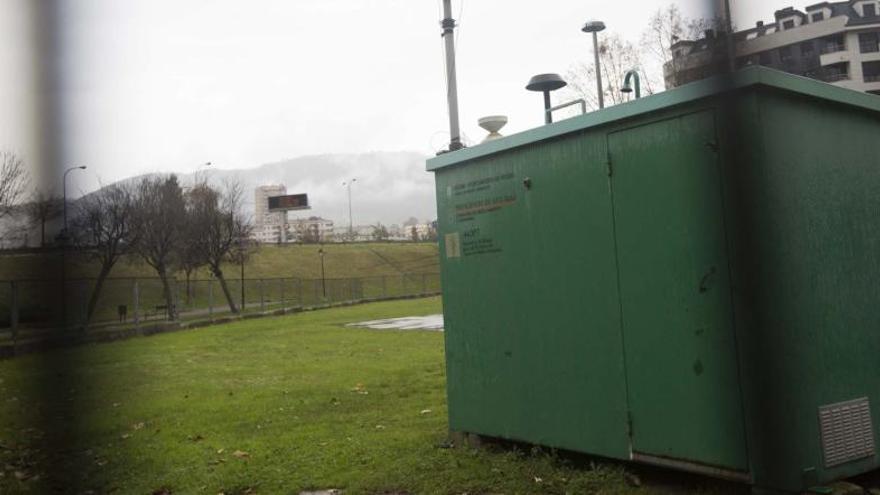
(847, 432)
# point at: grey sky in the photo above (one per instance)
(165, 85)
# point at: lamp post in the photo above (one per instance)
(64, 193)
(350, 222)
(594, 27)
(323, 278)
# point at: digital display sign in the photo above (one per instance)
(289, 202)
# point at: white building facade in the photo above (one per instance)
(835, 42)
(270, 227)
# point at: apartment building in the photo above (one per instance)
(270, 227)
(835, 42)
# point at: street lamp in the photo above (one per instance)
(323, 278)
(594, 27)
(64, 194)
(350, 222)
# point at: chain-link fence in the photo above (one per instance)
(34, 308)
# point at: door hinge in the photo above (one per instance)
(610, 167)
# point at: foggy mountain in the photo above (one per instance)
(390, 187)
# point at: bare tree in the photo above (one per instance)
(668, 26)
(665, 27)
(43, 208)
(191, 257)
(13, 181)
(104, 228)
(159, 219)
(380, 232)
(616, 57)
(220, 229)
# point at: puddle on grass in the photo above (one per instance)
(430, 322)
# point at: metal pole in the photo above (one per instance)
(13, 312)
(548, 115)
(350, 221)
(323, 276)
(598, 70)
(448, 25)
(283, 301)
(137, 303)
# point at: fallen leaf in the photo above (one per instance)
(380, 427)
(241, 454)
(125, 436)
(538, 480)
(425, 411)
(22, 475)
(116, 404)
(220, 451)
(138, 426)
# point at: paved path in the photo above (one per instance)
(431, 322)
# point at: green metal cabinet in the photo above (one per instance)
(688, 280)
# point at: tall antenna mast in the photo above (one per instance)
(448, 25)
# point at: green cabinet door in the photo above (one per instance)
(680, 354)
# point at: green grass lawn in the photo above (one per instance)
(274, 405)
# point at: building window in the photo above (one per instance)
(785, 54)
(871, 71)
(818, 16)
(869, 10)
(789, 24)
(869, 42)
(807, 48)
(836, 72)
(833, 44)
(765, 58)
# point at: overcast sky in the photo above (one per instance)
(165, 85)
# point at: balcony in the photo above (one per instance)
(832, 48)
(832, 78)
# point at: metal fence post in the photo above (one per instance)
(136, 303)
(262, 298)
(210, 299)
(13, 311)
(83, 303)
(175, 300)
(283, 302)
